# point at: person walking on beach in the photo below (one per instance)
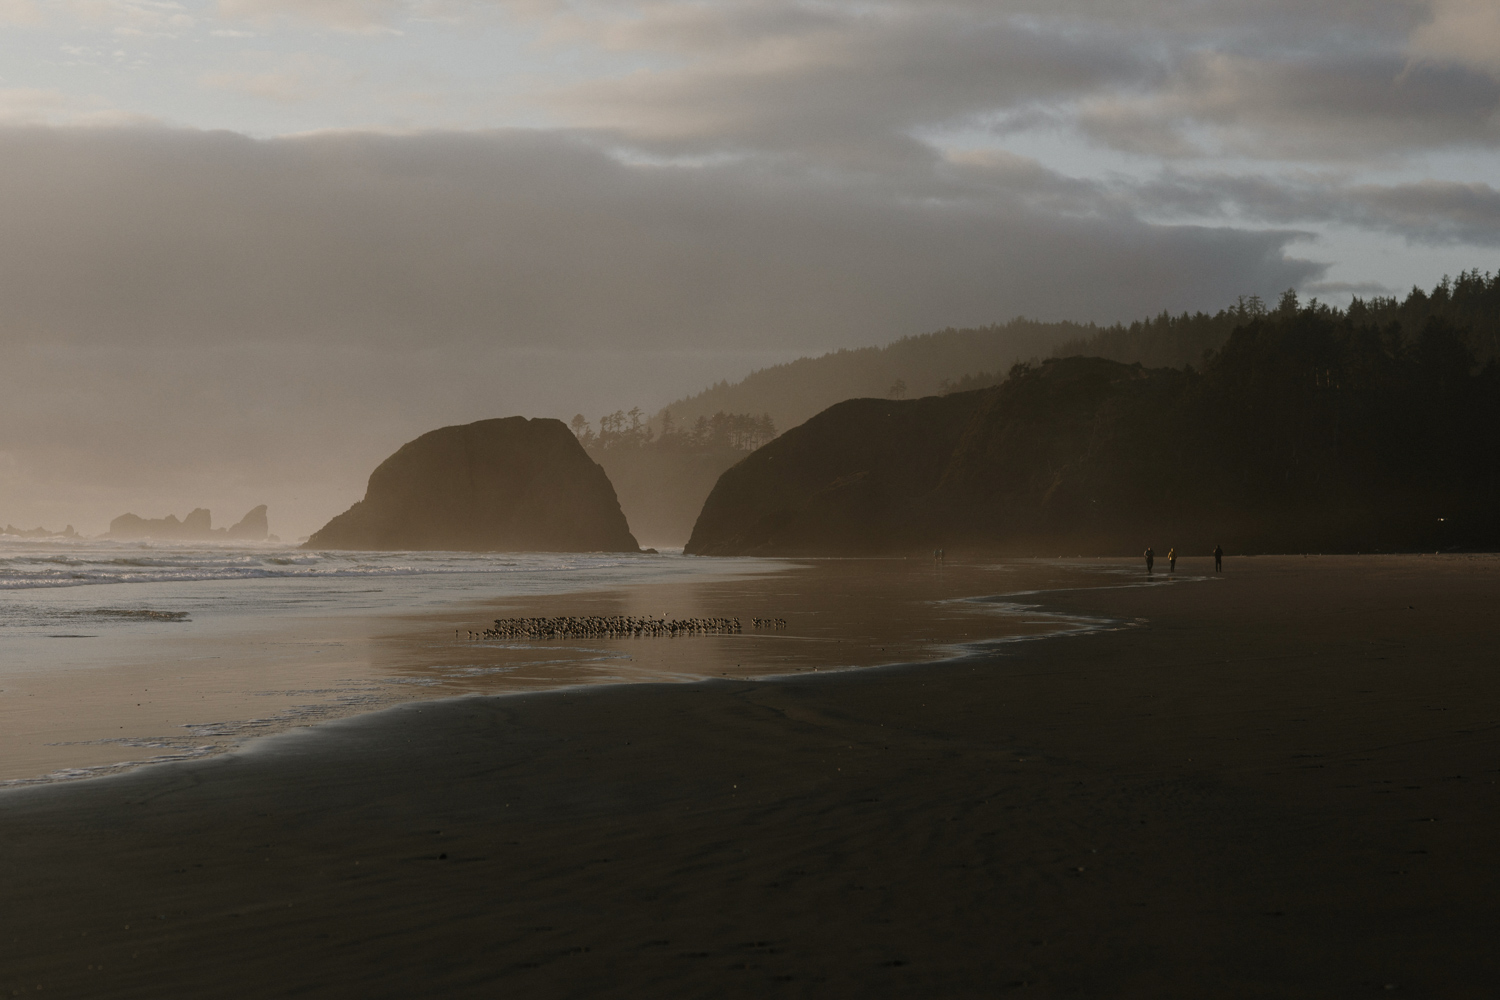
(1218, 558)
(1150, 560)
(1172, 559)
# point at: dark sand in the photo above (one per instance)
(1281, 785)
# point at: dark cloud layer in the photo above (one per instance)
(1327, 80)
(524, 238)
(1429, 212)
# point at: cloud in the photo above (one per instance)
(163, 18)
(1158, 78)
(20, 12)
(838, 83)
(291, 79)
(1437, 212)
(344, 15)
(45, 106)
(869, 84)
(544, 238)
(1431, 212)
(1361, 288)
(32, 104)
(1312, 108)
(1465, 32)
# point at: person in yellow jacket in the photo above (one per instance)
(1172, 560)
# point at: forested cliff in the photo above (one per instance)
(1311, 430)
(958, 360)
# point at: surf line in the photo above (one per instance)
(1064, 623)
(1059, 624)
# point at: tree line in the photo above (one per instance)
(1311, 427)
(956, 360)
(907, 368)
(1470, 303)
(1316, 399)
(629, 429)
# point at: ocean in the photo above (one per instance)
(113, 653)
(116, 654)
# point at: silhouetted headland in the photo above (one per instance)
(505, 485)
(1307, 432)
(196, 527)
(952, 360)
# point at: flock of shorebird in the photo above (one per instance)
(615, 627)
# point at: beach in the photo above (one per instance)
(117, 654)
(191, 652)
(1276, 782)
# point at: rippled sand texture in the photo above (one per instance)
(1277, 784)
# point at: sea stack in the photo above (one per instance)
(848, 482)
(196, 527)
(505, 485)
(253, 526)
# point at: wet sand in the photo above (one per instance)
(179, 690)
(1280, 783)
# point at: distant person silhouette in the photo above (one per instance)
(1218, 558)
(1172, 560)
(1150, 560)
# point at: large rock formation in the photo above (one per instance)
(196, 527)
(844, 483)
(510, 485)
(253, 526)
(1298, 437)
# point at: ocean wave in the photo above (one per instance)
(23, 567)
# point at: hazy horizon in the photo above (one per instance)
(256, 245)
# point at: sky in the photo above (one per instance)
(249, 247)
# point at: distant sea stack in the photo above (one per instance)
(1302, 435)
(38, 532)
(253, 526)
(195, 527)
(505, 485)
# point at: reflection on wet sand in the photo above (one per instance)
(837, 614)
(188, 695)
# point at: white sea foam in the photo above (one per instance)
(28, 564)
(83, 589)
